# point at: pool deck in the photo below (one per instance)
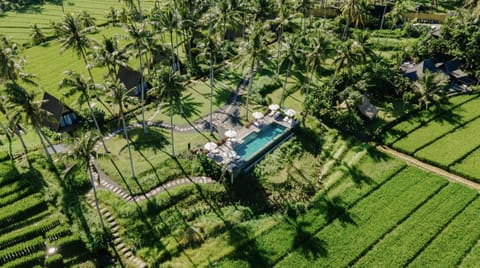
(232, 162)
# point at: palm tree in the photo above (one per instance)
(82, 151)
(76, 83)
(10, 68)
(225, 16)
(119, 93)
(429, 88)
(209, 51)
(73, 35)
(304, 7)
(283, 20)
(168, 20)
(139, 36)
(29, 110)
(354, 11)
(37, 34)
(289, 57)
(169, 87)
(352, 53)
(319, 49)
(110, 55)
(252, 52)
(13, 124)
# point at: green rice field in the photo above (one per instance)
(17, 24)
(369, 202)
(444, 136)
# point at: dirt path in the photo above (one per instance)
(449, 176)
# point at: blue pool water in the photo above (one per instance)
(255, 141)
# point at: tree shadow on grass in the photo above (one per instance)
(311, 141)
(307, 243)
(250, 250)
(335, 208)
(154, 139)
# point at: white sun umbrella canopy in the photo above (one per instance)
(210, 146)
(273, 107)
(290, 112)
(257, 115)
(230, 133)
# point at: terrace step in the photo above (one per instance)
(115, 229)
(124, 250)
(121, 246)
(117, 241)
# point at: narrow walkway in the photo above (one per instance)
(449, 176)
(120, 247)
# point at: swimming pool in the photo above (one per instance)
(255, 141)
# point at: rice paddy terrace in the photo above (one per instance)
(443, 135)
(32, 230)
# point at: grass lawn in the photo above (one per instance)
(196, 101)
(152, 163)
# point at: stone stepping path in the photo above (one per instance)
(120, 247)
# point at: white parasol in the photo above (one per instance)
(230, 133)
(210, 146)
(290, 112)
(273, 107)
(257, 115)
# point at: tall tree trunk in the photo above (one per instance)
(48, 141)
(96, 123)
(39, 134)
(82, 52)
(22, 141)
(279, 48)
(307, 92)
(171, 128)
(345, 31)
(211, 91)
(9, 138)
(173, 53)
(176, 50)
(125, 132)
(250, 82)
(142, 93)
(282, 98)
(95, 196)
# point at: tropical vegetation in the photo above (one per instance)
(326, 197)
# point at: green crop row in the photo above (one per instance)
(468, 166)
(30, 260)
(12, 187)
(15, 196)
(58, 232)
(461, 108)
(400, 246)
(21, 209)
(452, 147)
(278, 241)
(69, 246)
(454, 241)
(21, 249)
(345, 239)
(473, 258)
(28, 232)
(26, 221)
